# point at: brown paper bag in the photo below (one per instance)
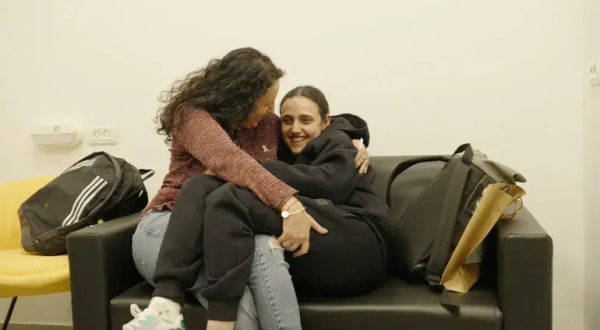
(464, 266)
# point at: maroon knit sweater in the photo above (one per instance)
(202, 143)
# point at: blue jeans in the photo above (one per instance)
(269, 301)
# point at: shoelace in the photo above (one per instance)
(135, 310)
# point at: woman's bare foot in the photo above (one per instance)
(219, 325)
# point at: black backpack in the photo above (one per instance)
(98, 187)
(433, 207)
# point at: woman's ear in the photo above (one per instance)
(326, 122)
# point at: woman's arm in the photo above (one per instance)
(206, 140)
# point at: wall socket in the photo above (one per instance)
(102, 136)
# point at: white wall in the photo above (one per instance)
(591, 165)
(427, 75)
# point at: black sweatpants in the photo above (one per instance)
(180, 256)
(347, 261)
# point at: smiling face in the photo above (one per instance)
(262, 106)
(301, 122)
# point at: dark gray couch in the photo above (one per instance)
(515, 293)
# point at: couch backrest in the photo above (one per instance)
(384, 165)
(406, 187)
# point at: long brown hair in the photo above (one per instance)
(227, 88)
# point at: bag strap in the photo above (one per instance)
(467, 149)
(449, 300)
(405, 165)
(142, 199)
(146, 174)
(450, 208)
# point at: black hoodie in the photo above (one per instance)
(325, 169)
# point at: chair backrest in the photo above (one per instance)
(12, 195)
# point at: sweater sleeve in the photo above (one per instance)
(332, 177)
(206, 140)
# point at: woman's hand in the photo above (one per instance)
(296, 228)
(209, 172)
(362, 158)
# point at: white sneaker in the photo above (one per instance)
(148, 319)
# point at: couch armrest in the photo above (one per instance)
(524, 273)
(101, 267)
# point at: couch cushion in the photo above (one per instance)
(397, 305)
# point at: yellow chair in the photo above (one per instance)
(23, 273)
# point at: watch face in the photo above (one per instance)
(285, 214)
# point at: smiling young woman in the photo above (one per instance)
(304, 115)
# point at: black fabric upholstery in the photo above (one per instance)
(101, 268)
(396, 305)
(515, 293)
(524, 273)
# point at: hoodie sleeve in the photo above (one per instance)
(354, 126)
(331, 176)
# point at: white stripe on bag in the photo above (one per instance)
(89, 162)
(87, 200)
(83, 199)
(81, 195)
(82, 164)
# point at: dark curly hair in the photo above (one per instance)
(312, 93)
(227, 88)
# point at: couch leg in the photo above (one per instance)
(9, 314)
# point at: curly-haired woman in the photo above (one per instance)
(219, 120)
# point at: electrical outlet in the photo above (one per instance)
(102, 136)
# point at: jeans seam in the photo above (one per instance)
(147, 230)
(269, 292)
(141, 261)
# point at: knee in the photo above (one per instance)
(218, 202)
(222, 194)
(200, 181)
